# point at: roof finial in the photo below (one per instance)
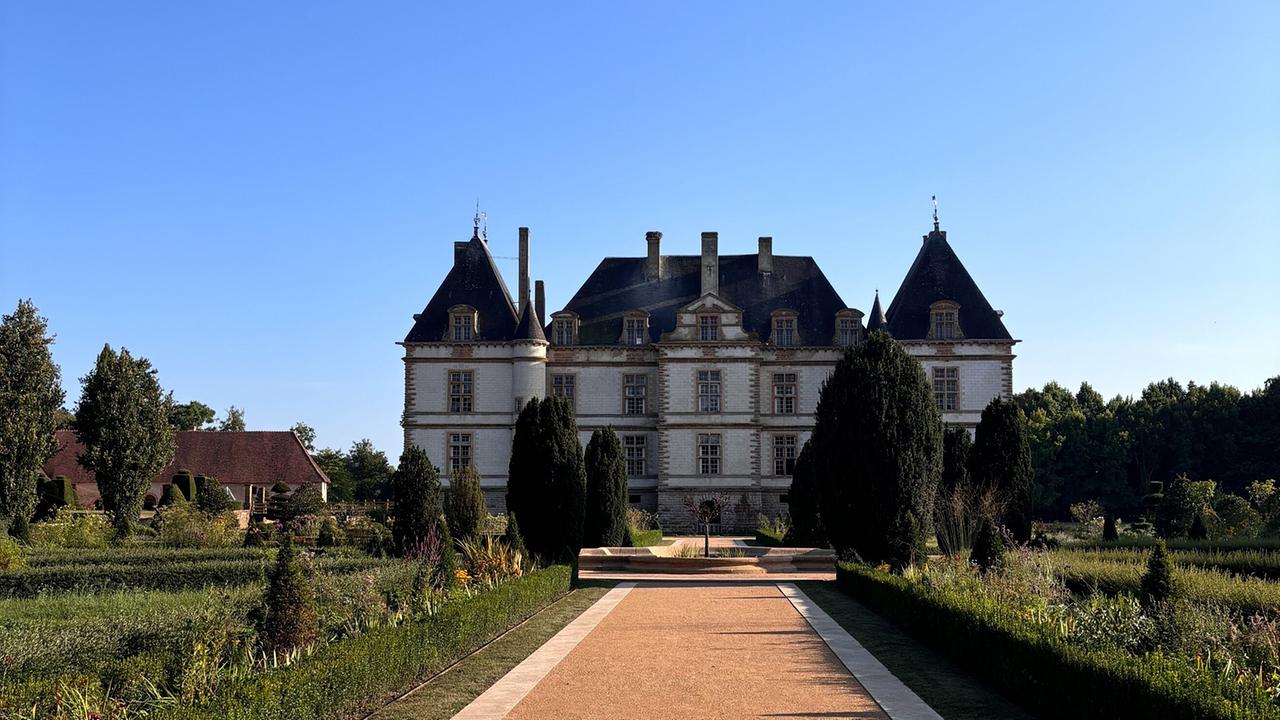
(480, 217)
(935, 213)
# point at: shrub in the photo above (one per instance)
(289, 618)
(803, 504)
(1000, 463)
(56, 493)
(1198, 531)
(185, 483)
(72, 529)
(645, 538)
(211, 497)
(1178, 509)
(1158, 584)
(988, 547)
(490, 563)
(464, 507)
(1238, 518)
(605, 519)
(171, 496)
(1109, 532)
(331, 534)
(255, 536)
(415, 488)
(306, 500)
(11, 555)
(185, 526)
(380, 543)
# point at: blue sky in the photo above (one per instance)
(258, 196)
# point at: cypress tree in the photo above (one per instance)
(1158, 584)
(605, 523)
(1198, 531)
(956, 448)
(290, 619)
(802, 503)
(211, 497)
(464, 504)
(122, 420)
(546, 485)
(1109, 532)
(988, 547)
(30, 398)
(529, 473)
(1000, 462)
(415, 488)
(569, 480)
(877, 450)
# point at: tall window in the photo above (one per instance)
(784, 454)
(563, 331)
(944, 321)
(460, 456)
(946, 387)
(634, 447)
(636, 391)
(847, 331)
(461, 390)
(462, 325)
(784, 331)
(708, 391)
(635, 330)
(708, 327)
(708, 453)
(784, 393)
(562, 387)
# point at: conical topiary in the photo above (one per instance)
(1198, 531)
(289, 619)
(1109, 533)
(1158, 584)
(988, 547)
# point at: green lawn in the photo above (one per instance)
(445, 695)
(955, 694)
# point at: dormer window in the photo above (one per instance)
(462, 323)
(944, 321)
(784, 328)
(708, 328)
(564, 328)
(635, 328)
(848, 328)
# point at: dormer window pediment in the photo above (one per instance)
(944, 321)
(464, 324)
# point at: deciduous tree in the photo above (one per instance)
(193, 415)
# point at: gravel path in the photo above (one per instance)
(700, 651)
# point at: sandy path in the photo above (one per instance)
(710, 651)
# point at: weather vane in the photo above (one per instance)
(481, 217)
(935, 213)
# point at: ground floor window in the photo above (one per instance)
(634, 447)
(946, 387)
(460, 456)
(784, 454)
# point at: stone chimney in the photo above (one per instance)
(765, 259)
(653, 261)
(540, 303)
(710, 263)
(524, 270)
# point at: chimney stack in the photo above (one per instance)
(710, 263)
(524, 270)
(540, 303)
(653, 261)
(765, 258)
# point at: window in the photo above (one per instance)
(946, 387)
(708, 327)
(461, 390)
(784, 331)
(462, 323)
(562, 387)
(564, 331)
(459, 452)
(635, 393)
(634, 447)
(709, 453)
(784, 393)
(519, 404)
(847, 331)
(784, 454)
(708, 391)
(944, 321)
(635, 330)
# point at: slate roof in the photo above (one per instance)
(618, 285)
(234, 458)
(473, 280)
(937, 274)
(529, 329)
(876, 321)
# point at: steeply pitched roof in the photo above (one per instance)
(876, 321)
(618, 285)
(529, 329)
(473, 280)
(937, 274)
(234, 458)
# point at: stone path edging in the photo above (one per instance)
(503, 696)
(898, 701)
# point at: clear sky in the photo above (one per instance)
(258, 196)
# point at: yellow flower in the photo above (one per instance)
(462, 576)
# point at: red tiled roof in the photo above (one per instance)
(234, 458)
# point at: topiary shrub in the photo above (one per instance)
(185, 482)
(170, 496)
(255, 536)
(988, 551)
(605, 517)
(288, 618)
(331, 534)
(56, 493)
(464, 507)
(1159, 584)
(278, 503)
(1109, 532)
(211, 497)
(1198, 531)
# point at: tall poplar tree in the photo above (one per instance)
(605, 523)
(122, 420)
(878, 452)
(30, 398)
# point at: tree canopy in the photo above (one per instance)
(193, 415)
(803, 503)
(234, 421)
(30, 400)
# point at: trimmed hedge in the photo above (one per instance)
(33, 581)
(768, 538)
(645, 538)
(1260, 563)
(1044, 672)
(53, 557)
(357, 675)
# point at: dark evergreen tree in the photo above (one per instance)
(278, 501)
(30, 400)
(122, 420)
(369, 470)
(802, 503)
(193, 415)
(306, 500)
(211, 497)
(1158, 584)
(289, 618)
(464, 504)
(512, 537)
(56, 493)
(1109, 532)
(185, 482)
(605, 521)
(877, 450)
(1000, 462)
(956, 447)
(415, 488)
(1178, 509)
(171, 496)
(1198, 531)
(988, 547)
(546, 484)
